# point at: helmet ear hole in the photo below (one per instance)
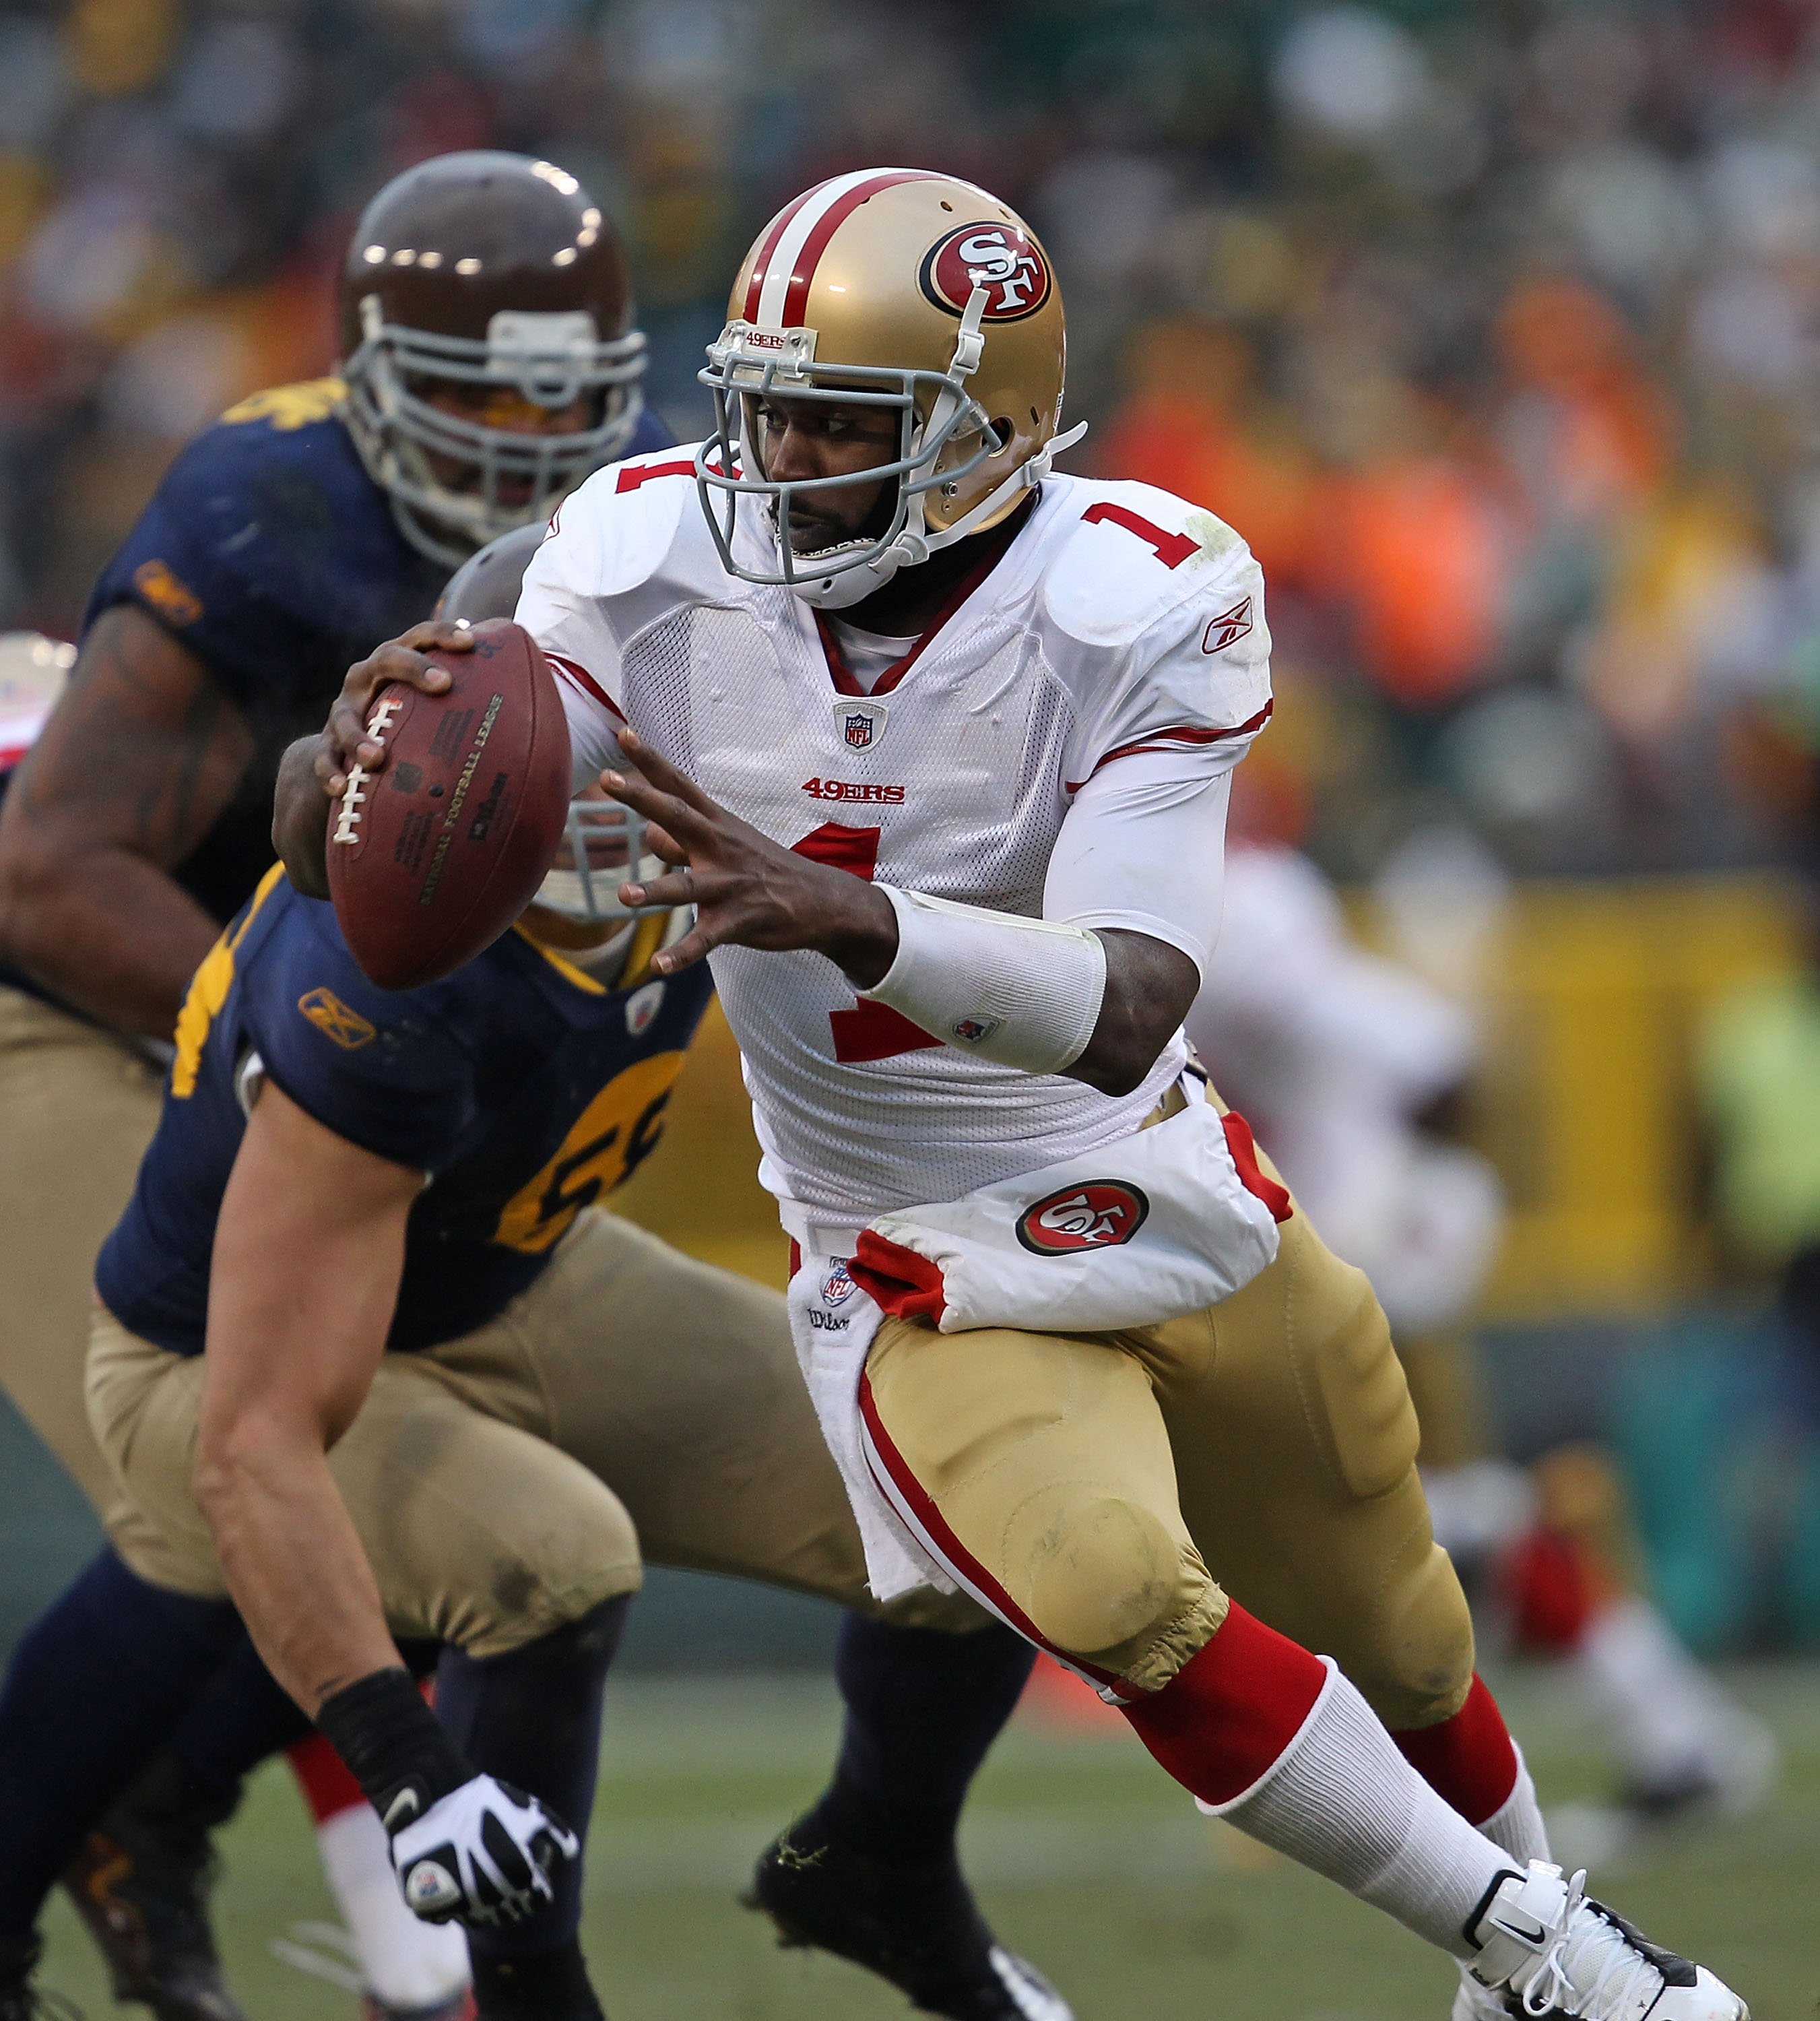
(1005, 432)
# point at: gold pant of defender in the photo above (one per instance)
(77, 1107)
(631, 1404)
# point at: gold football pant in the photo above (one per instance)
(1090, 1487)
(77, 1107)
(631, 1402)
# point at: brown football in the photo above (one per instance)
(433, 857)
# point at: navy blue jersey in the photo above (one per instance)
(273, 556)
(521, 1087)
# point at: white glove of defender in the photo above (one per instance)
(482, 1854)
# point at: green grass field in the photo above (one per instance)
(1086, 1857)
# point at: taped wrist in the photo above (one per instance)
(1023, 993)
(393, 1744)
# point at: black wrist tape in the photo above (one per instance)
(393, 1744)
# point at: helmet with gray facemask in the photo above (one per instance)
(499, 276)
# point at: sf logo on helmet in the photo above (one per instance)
(999, 258)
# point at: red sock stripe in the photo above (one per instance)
(1229, 1713)
(912, 1502)
(329, 1788)
(1468, 1760)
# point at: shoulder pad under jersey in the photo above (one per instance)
(624, 524)
(1123, 556)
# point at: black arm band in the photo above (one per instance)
(392, 1743)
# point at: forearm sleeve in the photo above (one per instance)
(1021, 992)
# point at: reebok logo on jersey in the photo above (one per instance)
(174, 601)
(335, 1020)
(1101, 1214)
(845, 789)
(1229, 628)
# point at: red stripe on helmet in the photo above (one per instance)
(797, 301)
(755, 287)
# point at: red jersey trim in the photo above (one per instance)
(580, 677)
(844, 683)
(1243, 1148)
(900, 1282)
(1173, 739)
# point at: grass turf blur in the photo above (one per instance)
(1086, 1857)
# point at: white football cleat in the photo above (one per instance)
(1553, 1951)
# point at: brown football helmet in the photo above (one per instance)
(496, 269)
(907, 290)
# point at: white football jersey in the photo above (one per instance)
(1120, 620)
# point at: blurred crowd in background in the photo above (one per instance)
(1493, 325)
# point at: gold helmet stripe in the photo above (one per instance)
(788, 272)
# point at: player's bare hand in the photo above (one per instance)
(315, 770)
(747, 890)
(345, 741)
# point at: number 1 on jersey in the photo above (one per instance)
(869, 1030)
(1172, 549)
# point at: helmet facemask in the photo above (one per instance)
(603, 845)
(551, 360)
(945, 435)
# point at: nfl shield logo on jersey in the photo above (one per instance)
(861, 723)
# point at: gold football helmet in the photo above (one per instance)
(903, 290)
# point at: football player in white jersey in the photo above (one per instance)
(1069, 1340)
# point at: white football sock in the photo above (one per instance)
(1516, 1824)
(406, 1963)
(1342, 1801)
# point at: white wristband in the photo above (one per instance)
(1023, 993)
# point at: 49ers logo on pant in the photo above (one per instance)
(1099, 1215)
(1005, 262)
